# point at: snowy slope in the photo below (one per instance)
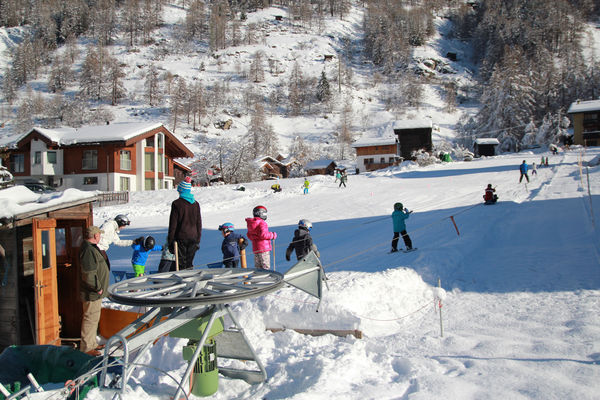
(520, 297)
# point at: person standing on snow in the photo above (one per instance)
(141, 249)
(185, 225)
(302, 242)
(258, 233)
(306, 185)
(111, 229)
(232, 244)
(399, 216)
(533, 169)
(523, 168)
(343, 179)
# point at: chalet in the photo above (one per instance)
(376, 153)
(413, 135)
(113, 157)
(269, 167)
(485, 146)
(585, 116)
(40, 237)
(320, 167)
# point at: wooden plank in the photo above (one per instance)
(320, 332)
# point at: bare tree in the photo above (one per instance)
(115, 77)
(152, 85)
(257, 71)
(178, 100)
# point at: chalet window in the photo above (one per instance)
(391, 159)
(149, 161)
(382, 160)
(161, 163)
(149, 184)
(90, 159)
(124, 184)
(17, 162)
(37, 158)
(159, 138)
(51, 155)
(90, 180)
(150, 141)
(125, 160)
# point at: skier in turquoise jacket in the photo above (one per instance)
(399, 215)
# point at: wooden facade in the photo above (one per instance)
(142, 160)
(585, 116)
(39, 272)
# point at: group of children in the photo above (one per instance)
(233, 244)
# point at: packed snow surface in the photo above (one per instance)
(519, 295)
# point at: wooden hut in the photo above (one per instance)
(40, 237)
(485, 146)
(320, 167)
(413, 135)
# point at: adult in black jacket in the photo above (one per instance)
(302, 241)
(185, 225)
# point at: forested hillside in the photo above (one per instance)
(194, 64)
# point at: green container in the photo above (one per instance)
(204, 380)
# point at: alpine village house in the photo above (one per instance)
(111, 157)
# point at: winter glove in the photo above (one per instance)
(172, 247)
(288, 253)
(139, 240)
(274, 235)
(243, 244)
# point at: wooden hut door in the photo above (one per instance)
(46, 297)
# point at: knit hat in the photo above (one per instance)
(185, 185)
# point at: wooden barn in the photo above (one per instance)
(320, 167)
(413, 134)
(39, 265)
(485, 146)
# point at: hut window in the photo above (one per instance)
(90, 159)
(150, 141)
(51, 155)
(61, 242)
(37, 158)
(159, 138)
(17, 162)
(382, 160)
(125, 160)
(90, 180)
(46, 250)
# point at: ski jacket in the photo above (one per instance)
(523, 168)
(185, 222)
(231, 246)
(302, 243)
(489, 194)
(399, 216)
(94, 272)
(258, 233)
(140, 254)
(306, 183)
(111, 236)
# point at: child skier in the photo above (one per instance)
(141, 250)
(399, 215)
(302, 241)
(167, 260)
(490, 197)
(258, 233)
(523, 169)
(232, 244)
(306, 185)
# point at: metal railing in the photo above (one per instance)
(111, 199)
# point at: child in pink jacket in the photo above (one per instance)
(258, 233)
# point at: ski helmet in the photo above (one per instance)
(149, 243)
(489, 185)
(226, 227)
(304, 223)
(260, 212)
(122, 220)
(398, 206)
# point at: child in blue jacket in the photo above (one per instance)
(232, 244)
(399, 215)
(141, 250)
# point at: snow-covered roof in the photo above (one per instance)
(584, 106)
(318, 164)
(98, 133)
(19, 200)
(374, 141)
(412, 124)
(487, 141)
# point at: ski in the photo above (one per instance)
(409, 250)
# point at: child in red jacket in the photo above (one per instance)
(258, 233)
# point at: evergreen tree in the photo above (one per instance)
(323, 91)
